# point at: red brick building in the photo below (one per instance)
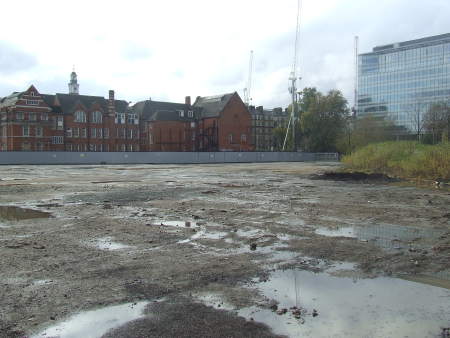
(167, 126)
(224, 123)
(31, 121)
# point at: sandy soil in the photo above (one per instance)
(109, 239)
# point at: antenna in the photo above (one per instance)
(293, 85)
(248, 89)
(355, 104)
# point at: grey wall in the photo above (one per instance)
(24, 157)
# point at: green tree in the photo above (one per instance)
(322, 119)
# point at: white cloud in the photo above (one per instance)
(167, 49)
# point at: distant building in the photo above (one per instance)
(224, 123)
(262, 128)
(167, 126)
(401, 80)
(31, 121)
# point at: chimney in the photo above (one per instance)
(260, 109)
(111, 105)
(187, 100)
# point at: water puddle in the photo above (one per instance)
(320, 305)
(95, 323)
(181, 224)
(107, 243)
(13, 213)
(385, 235)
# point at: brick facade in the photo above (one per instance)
(30, 121)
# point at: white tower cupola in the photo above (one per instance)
(73, 84)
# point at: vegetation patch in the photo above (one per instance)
(403, 159)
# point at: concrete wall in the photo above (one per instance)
(33, 157)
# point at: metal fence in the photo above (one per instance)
(24, 157)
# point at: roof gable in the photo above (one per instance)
(212, 106)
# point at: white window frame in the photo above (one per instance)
(97, 117)
(27, 129)
(79, 116)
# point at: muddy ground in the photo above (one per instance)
(109, 239)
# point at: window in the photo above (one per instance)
(193, 136)
(69, 147)
(100, 133)
(26, 131)
(181, 112)
(190, 113)
(44, 117)
(19, 116)
(83, 132)
(100, 147)
(80, 116)
(96, 117)
(105, 147)
(230, 138)
(59, 123)
(40, 146)
(32, 94)
(32, 116)
(93, 132)
(75, 132)
(57, 140)
(106, 132)
(150, 138)
(68, 132)
(121, 133)
(120, 118)
(123, 147)
(243, 138)
(192, 124)
(26, 146)
(132, 119)
(130, 133)
(92, 147)
(33, 102)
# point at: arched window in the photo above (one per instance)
(96, 117)
(80, 116)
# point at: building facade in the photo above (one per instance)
(263, 124)
(224, 123)
(400, 81)
(31, 121)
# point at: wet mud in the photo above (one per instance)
(211, 243)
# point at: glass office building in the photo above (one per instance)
(400, 81)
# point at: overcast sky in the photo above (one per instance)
(167, 49)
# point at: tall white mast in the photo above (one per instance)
(293, 84)
(248, 89)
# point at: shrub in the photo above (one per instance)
(404, 159)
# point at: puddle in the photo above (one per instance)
(13, 213)
(182, 224)
(385, 235)
(107, 243)
(95, 323)
(347, 307)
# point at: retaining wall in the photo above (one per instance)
(24, 157)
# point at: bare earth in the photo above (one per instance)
(109, 239)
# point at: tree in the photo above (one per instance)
(368, 129)
(437, 122)
(417, 119)
(322, 119)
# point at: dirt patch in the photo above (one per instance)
(276, 207)
(182, 318)
(354, 176)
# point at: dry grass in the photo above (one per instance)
(403, 159)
